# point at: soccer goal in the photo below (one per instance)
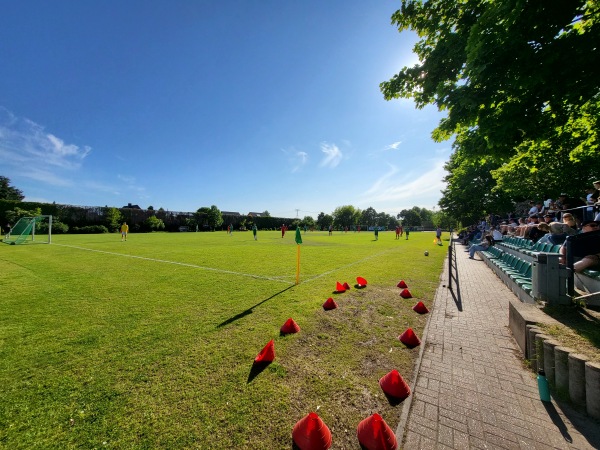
(28, 226)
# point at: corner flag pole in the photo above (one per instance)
(298, 240)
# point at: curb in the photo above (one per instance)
(400, 429)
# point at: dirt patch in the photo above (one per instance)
(338, 361)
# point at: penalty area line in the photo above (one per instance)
(176, 263)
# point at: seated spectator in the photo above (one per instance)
(589, 260)
(569, 219)
(557, 235)
(549, 218)
(496, 234)
(539, 232)
(588, 212)
(521, 228)
(486, 243)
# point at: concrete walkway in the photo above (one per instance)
(473, 389)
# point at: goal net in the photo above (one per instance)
(28, 228)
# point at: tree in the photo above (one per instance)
(490, 63)
(209, 217)
(266, 213)
(324, 221)
(153, 223)
(112, 219)
(345, 216)
(308, 221)
(8, 192)
(14, 215)
(411, 217)
(498, 69)
(368, 217)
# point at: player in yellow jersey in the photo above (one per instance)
(124, 231)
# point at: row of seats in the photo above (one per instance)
(513, 267)
(529, 247)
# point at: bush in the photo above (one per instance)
(57, 228)
(91, 229)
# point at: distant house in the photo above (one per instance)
(230, 213)
(130, 206)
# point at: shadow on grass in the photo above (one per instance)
(584, 322)
(250, 310)
(257, 369)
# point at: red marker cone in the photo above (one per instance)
(409, 338)
(329, 304)
(267, 354)
(289, 327)
(402, 284)
(420, 308)
(339, 287)
(346, 286)
(374, 434)
(310, 433)
(394, 385)
(361, 281)
(405, 293)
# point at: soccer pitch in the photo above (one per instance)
(149, 343)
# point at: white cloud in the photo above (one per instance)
(393, 146)
(36, 154)
(333, 155)
(397, 189)
(297, 159)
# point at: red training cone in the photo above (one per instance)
(310, 433)
(420, 308)
(289, 327)
(361, 281)
(346, 286)
(394, 385)
(374, 434)
(329, 304)
(267, 354)
(405, 293)
(339, 287)
(409, 338)
(402, 284)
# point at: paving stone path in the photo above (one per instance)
(473, 389)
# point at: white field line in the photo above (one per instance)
(241, 274)
(194, 266)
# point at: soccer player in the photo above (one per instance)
(124, 231)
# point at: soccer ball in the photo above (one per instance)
(426, 253)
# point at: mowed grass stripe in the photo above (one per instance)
(102, 351)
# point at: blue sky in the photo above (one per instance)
(247, 105)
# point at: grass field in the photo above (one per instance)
(149, 343)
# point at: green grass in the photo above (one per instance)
(150, 343)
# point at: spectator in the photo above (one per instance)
(590, 200)
(486, 243)
(538, 232)
(588, 260)
(572, 205)
(558, 234)
(496, 234)
(569, 219)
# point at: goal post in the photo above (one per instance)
(26, 226)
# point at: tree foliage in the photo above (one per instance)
(324, 220)
(8, 192)
(345, 216)
(517, 79)
(112, 219)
